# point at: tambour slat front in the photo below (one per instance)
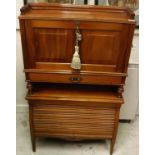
(73, 121)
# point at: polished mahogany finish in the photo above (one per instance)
(85, 101)
(48, 37)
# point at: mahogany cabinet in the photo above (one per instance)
(68, 102)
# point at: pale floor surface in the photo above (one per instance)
(126, 142)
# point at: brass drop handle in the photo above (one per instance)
(78, 34)
(75, 79)
(76, 62)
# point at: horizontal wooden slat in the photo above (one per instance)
(76, 12)
(93, 135)
(44, 95)
(72, 127)
(71, 116)
(73, 130)
(66, 110)
(72, 72)
(74, 137)
(66, 67)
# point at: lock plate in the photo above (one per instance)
(75, 79)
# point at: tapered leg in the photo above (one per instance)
(112, 145)
(115, 131)
(33, 140)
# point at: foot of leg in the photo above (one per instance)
(112, 146)
(33, 144)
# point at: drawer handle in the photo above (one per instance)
(75, 79)
(76, 62)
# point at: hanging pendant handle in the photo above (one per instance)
(78, 34)
(76, 62)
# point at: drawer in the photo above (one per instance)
(75, 78)
(73, 121)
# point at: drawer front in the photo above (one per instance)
(73, 78)
(73, 121)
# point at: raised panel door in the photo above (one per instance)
(104, 45)
(49, 42)
(53, 45)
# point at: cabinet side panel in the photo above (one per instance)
(128, 49)
(24, 43)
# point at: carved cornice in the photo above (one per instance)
(25, 8)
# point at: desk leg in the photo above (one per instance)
(33, 138)
(112, 145)
(115, 131)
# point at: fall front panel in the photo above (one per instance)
(103, 45)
